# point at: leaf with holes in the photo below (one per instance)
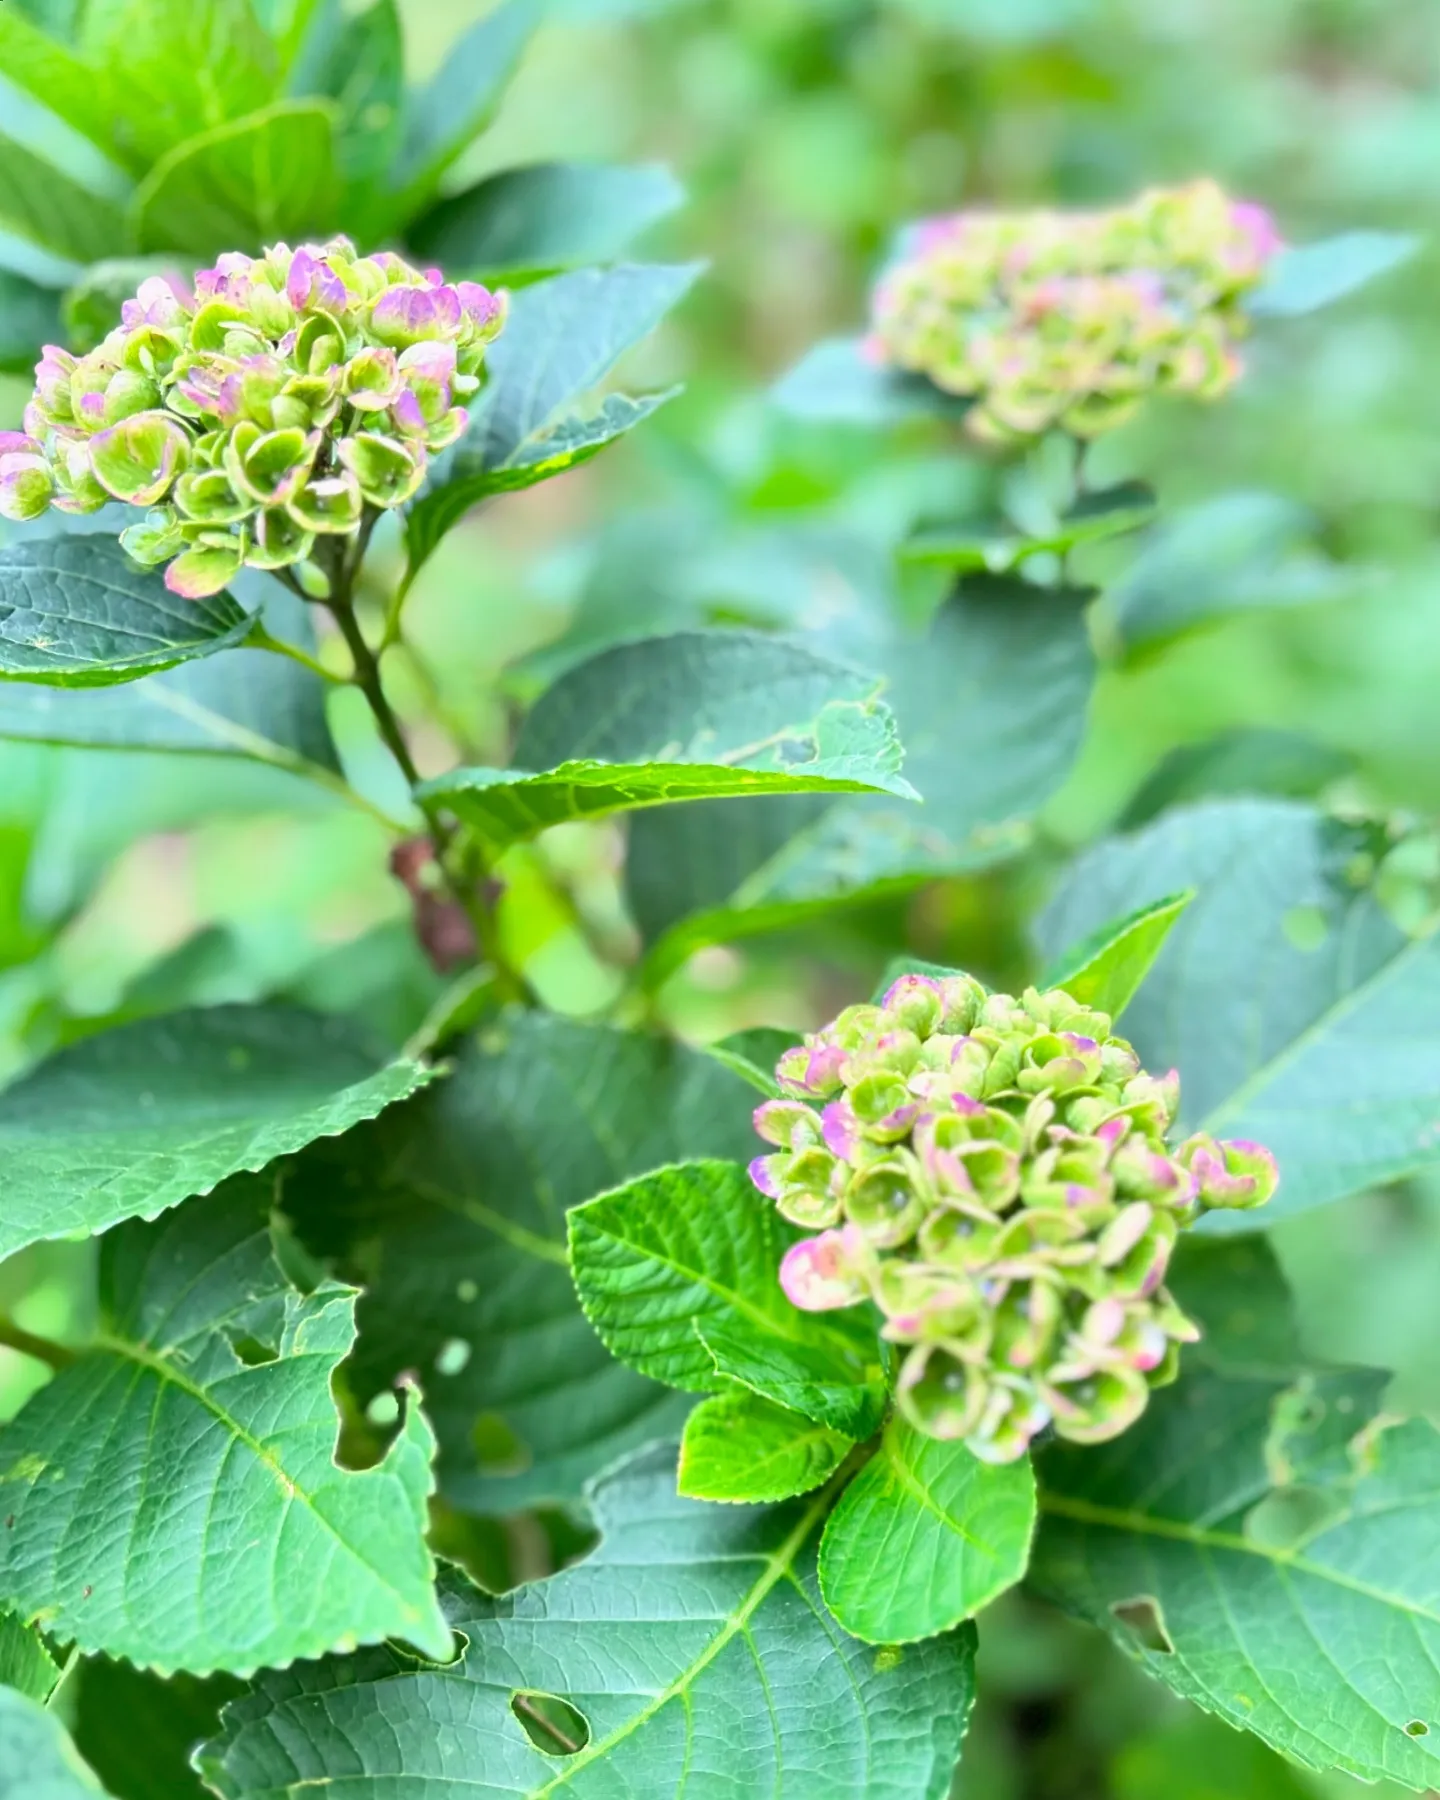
(135, 1120)
(1261, 1542)
(738, 1447)
(1296, 1012)
(37, 1759)
(694, 1249)
(453, 1209)
(696, 715)
(690, 1646)
(76, 612)
(1108, 966)
(173, 1494)
(924, 1536)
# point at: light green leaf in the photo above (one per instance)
(137, 1731)
(459, 102)
(924, 1536)
(254, 181)
(1252, 760)
(357, 59)
(692, 1643)
(1106, 968)
(25, 1664)
(453, 1209)
(135, 1120)
(999, 547)
(173, 1497)
(1236, 553)
(696, 715)
(549, 216)
(1264, 1546)
(801, 1377)
(695, 1246)
(839, 383)
(76, 612)
(991, 706)
(1309, 276)
(467, 480)
(37, 1760)
(738, 1447)
(176, 68)
(29, 319)
(52, 73)
(754, 1055)
(46, 207)
(1296, 1012)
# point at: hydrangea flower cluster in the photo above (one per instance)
(266, 408)
(1049, 319)
(993, 1173)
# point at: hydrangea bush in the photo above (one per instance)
(397, 1315)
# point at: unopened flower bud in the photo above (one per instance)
(1236, 1175)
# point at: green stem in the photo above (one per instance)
(29, 1343)
(260, 639)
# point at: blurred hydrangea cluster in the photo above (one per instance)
(993, 1173)
(1049, 319)
(263, 410)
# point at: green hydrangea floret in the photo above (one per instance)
(994, 1174)
(277, 403)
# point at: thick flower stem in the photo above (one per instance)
(29, 1343)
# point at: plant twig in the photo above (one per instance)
(260, 639)
(31, 1344)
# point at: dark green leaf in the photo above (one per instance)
(265, 177)
(1249, 761)
(550, 216)
(356, 59)
(138, 1119)
(692, 1644)
(76, 612)
(137, 1731)
(738, 1447)
(999, 547)
(443, 118)
(46, 207)
(1236, 553)
(696, 715)
(455, 1206)
(1296, 1012)
(1310, 276)
(29, 319)
(173, 1495)
(37, 1760)
(1263, 1544)
(838, 383)
(924, 1536)
(690, 1255)
(1106, 968)
(25, 1664)
(754, 1054)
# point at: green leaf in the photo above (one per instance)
(254, 181)
(133, 1121)
(1253, 760)
(173, 1495)
(1309, 276)
(1296, 1012)
(46, 207)
(176, 68)
(1105, 969)
(695, 1250)
(692, 1643)
(754, 1055)
(25, 1664)
(76, 612)
(1263, 1545)
(1236, 553)
(453, 1208)
(468, 481)
(37, 1760)
(806, 1378)
(924, 1536)
(738, 1447)
(137, 1731)
(550, 216)
(29, 319)
(50, 72)
(697, 715)
(246, 703)
(998, 547)
(459, 102)
(991, 705)
(838, 383)
(1192, 1757)
(357, 59)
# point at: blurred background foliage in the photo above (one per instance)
(804, 131)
